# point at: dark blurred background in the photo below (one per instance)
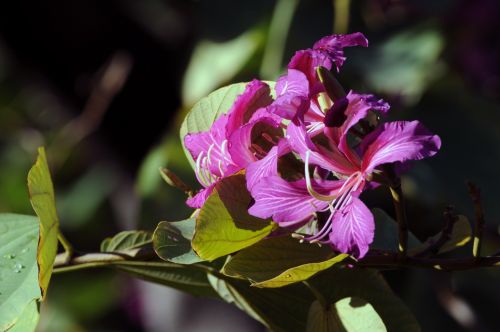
(104, 85)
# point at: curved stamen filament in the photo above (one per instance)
(310, 189)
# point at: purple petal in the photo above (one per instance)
(266, 166)
(199, 199)
(398, 141)
(255, 96)
(302, 144)
(241, 140)
(353, 228)
(306, 61)
(293, 83)
(333, 45)
(286, 202)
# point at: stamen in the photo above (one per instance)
(310, 189)
(199, 172)
(268, 138)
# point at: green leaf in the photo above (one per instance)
(172, 241)
(279, 309)
(338, 283)
(460, 235)
(127, 242)
(279, 261)
(213, 64)
(350, 314)
(223, 225)
(182, 277)
(386, 233)
(42, 199)
(18, 266)
(28, 320)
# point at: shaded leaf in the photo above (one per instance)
(127, 242)
(172, 241)
(223, 225)
(18, 266)
(338, 283)
(279, 309)
(42, 199)
(386, 233)
(181, 277)
(460, 235)
(350, 314)
(279, 261)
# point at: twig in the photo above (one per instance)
(399, 206)
(68, 248)
(317, 294)
(475, 195)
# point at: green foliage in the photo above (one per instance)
(279, 261)
(338, 283)
(223, 225)
(127, 242)
(19, 286)
(172, 241)
(42, 199)
(350, 314)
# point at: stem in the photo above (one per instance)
(392, 260)
(317, 294)
(68, 248)
(399, 206)
(475, 195)
(275, 46)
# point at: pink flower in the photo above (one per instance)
(234, 140)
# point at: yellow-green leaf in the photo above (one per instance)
(280, 261)
(41, 193)
(223, 225)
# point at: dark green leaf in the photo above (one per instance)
(127, 242)
(172, 241)
(223, 225)
(279, 261)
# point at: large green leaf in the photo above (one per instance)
(207, 110)
(338, 283)
(279, 309)
(183, 277)
(18, 267)
(223, 225)
(279, 261)
(350, 314)
(41, 193)
(28, 320)
(172, 241)
(127, 242)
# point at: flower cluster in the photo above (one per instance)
(310, 151)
